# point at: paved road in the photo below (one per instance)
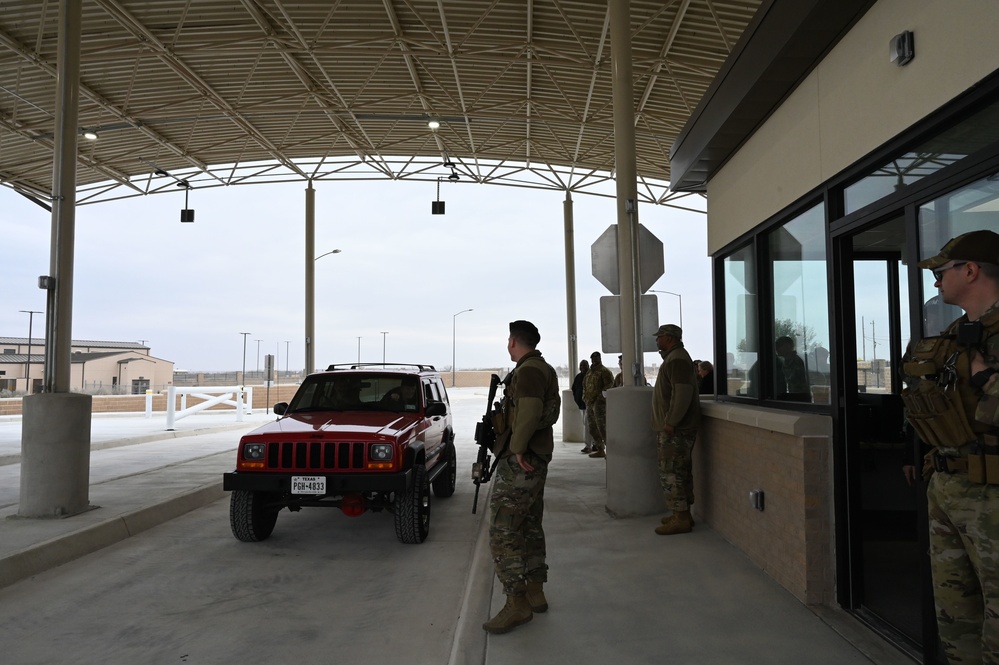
(188, 592)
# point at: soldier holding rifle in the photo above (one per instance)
(524, 446)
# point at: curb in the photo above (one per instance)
(469, 647)
(63, 549)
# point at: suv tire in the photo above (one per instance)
(412, 509)
(445, 483)
(250, 518)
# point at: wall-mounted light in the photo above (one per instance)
(901, 48)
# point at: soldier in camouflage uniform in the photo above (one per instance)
(516, 508)
(963, 492)
(676, 414)
(597, 381)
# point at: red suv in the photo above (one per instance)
(355, 437)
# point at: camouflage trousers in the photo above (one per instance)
(596, 422)
(964, 559)
(675, 468)
(516, 535)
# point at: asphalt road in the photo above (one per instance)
(188, 592)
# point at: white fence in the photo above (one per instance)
(238, 397)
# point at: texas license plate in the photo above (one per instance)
(308, 484)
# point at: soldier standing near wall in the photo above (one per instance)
(676, 414)
(958, 372)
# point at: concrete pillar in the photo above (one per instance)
(55, 455)
(572, 419)
(633, 486)
(310, 280)
(570, 281)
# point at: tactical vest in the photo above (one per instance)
(941, 405)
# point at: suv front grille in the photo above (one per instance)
(315, 456)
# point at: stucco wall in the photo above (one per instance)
(852, 103)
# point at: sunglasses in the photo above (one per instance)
(939, 273)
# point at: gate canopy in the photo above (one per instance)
(197, 93)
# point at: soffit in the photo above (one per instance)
(220, 92)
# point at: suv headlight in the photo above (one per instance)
(254, 451)
(381, 452)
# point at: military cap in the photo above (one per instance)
(670, 329)
(526, 331)
(977, 246)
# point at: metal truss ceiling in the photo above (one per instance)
(220, 92)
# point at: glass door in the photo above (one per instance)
(885, 496)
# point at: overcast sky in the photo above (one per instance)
(189, 290)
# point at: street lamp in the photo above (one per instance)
(383, 346)
(454, 327)
(287, 347)
(679, 298)
(358, 350)
(310, 307)
(243, 376)
(258, 354)
(27, 368)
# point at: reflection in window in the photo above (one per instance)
(956, 143)
(800, 332)
(741, 345)
(971, 208)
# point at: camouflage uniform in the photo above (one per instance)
(516, 508)
(675, 402)
(964, 525)
(597, 380)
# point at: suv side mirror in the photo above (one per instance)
(436, 409)
(280, 408)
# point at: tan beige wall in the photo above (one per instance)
(105, 370)
(137, 403)
(854, 101)
(788, 456)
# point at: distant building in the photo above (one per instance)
(96, 366)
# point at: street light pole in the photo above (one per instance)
(358, 350)
(454, 337)
(243, 375)
(27, 368)
(384, 333)
(310, 303)
(287, 347)
(679, 298)
(258, 354)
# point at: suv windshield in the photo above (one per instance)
(358, 392)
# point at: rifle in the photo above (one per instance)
(485, 436)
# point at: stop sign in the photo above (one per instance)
(603, 253)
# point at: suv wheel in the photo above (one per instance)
(445, 483)
(412, 509)
(250, 518)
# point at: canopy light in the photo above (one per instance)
(433, 124)
(90, 135)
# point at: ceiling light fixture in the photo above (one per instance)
(433, 124)
(454, 177)
(90, 134)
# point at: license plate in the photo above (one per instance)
(308, 484)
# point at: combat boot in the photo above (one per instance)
(516, 612)
(669, 517)
(678, 522)
(599, 452)
(536, 597)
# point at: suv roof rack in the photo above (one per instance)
(341, 366)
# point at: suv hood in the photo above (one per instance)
(349, 424)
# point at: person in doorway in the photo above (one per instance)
(706, 377)
(676, 415)
(516, 507)
(595, 386)
(961, 367)
(577, 397)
